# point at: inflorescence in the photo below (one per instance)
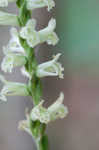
(20, 52)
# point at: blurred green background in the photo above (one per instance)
(78, 30)
(78, 26)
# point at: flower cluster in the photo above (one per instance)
(19, 53)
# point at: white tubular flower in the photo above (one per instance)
(14, 44)
(48, 33)
(12, 60)
(58, 110)
(34, 37)
(8, 19)
(12, 89)
(50, 68)
(55, 111)
(30, 34)
(4, 3)
(32, 4)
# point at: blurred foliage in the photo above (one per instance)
(78, 26)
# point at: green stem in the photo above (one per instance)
(37, 128)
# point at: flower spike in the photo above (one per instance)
(34, 37)
(33, 4)
(12, 89)
(50, 68)
(55, 111)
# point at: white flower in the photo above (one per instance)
(14, 43)
(12, 60)
(8, 19)
(30, 34)
(12, 89)
(4, 3)
(34, 37)
(55, 111)
(32, 4)
(58, 110)
(47, 34)
(40, 113)
(14, 53)
(50, 68)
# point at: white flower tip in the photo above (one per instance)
(61, 97)
(56, 57)
(58, 65)
(31, 23)
(64, 109)
(52, 23)
(50, 4)
(53, 39)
